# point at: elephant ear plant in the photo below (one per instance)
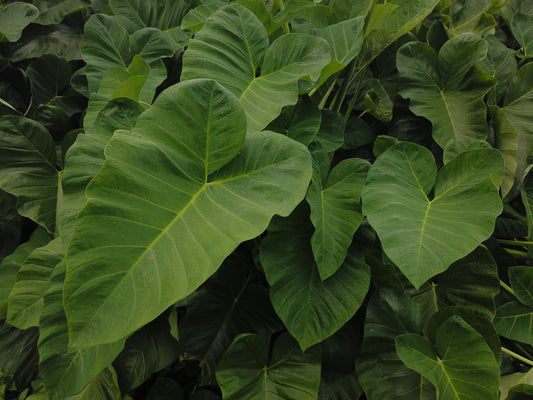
(281, 199)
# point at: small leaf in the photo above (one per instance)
(248, 371)
(458, 362)
(521, 279)
(422, 236)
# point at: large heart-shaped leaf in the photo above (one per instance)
(312, 310)
(233, 46)
(458, 362)
(248, 371)
(65, 372)
(29, 170)
(424, 235)
(447, 88)
(382, 374)
(522, 29)
(334, 198)
(33, 279)
(178, 221)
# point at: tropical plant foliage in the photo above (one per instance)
(280, 199)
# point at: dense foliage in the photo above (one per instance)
(280, 199)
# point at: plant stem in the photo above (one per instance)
(515, 242)
(516, 253)
(517, 356)
(341, 95)
(325, 97)
(281, 7)
(355, 96)
(507, 287)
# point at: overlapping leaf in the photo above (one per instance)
(248, 371)
(423, 236)
(14, 17)
(312, 310)
(233, 46)
(447, 88)
(29, 170)
(458, 362)
(460, 16)
(157, 187)
(53, 11)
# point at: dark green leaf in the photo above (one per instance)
(53, 11)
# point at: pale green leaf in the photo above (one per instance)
(14, 17)
(461, 16)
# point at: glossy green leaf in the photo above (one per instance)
(300, 122)
(147, 351)
(53, 11)
(233, 46)
(248, 371)
(334, 197)
(458, 362)
(33, 279)
(14, 17)
(138, 14)
(228, 304)
(11, 264)
(171, 153)
(50, 85)
(65, 372)
(471, 281)
(396, 23)
(194, 20)
(311, 310)
(86, 156)
(455, 147)
(447, 88)
(382, 144)
(382, 374)
(28, 162)
(461, 16)
(424, 235)
(522, 29)
(475, 318)
(513, 320)
(521, 279)
(513, 130)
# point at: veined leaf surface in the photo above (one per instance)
(233, 45)
(160, 186)
(423, 236)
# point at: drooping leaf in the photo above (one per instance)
(29, 170)
(18, 354)
(192, 130)
(513, 130)
(33, 279)
(423, 236)
(14, 17)
(63, 40)
(248, 371)
(458, 361)
(86, 156)
(469, 16)
(300, 122)
(11, 264)
(53, 11)
(228, 304)
(66, 373)
(471, 281)
(312, 310)
(403, 16)
(334, 198)
(233, 45)
(447, 88)
(382, 374)
(147, 351)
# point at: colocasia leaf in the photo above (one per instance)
(423, 233)
(447, 88)
(233, 46)
(14, 18)
(461, 16)
(187, 161)
(248, 371)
